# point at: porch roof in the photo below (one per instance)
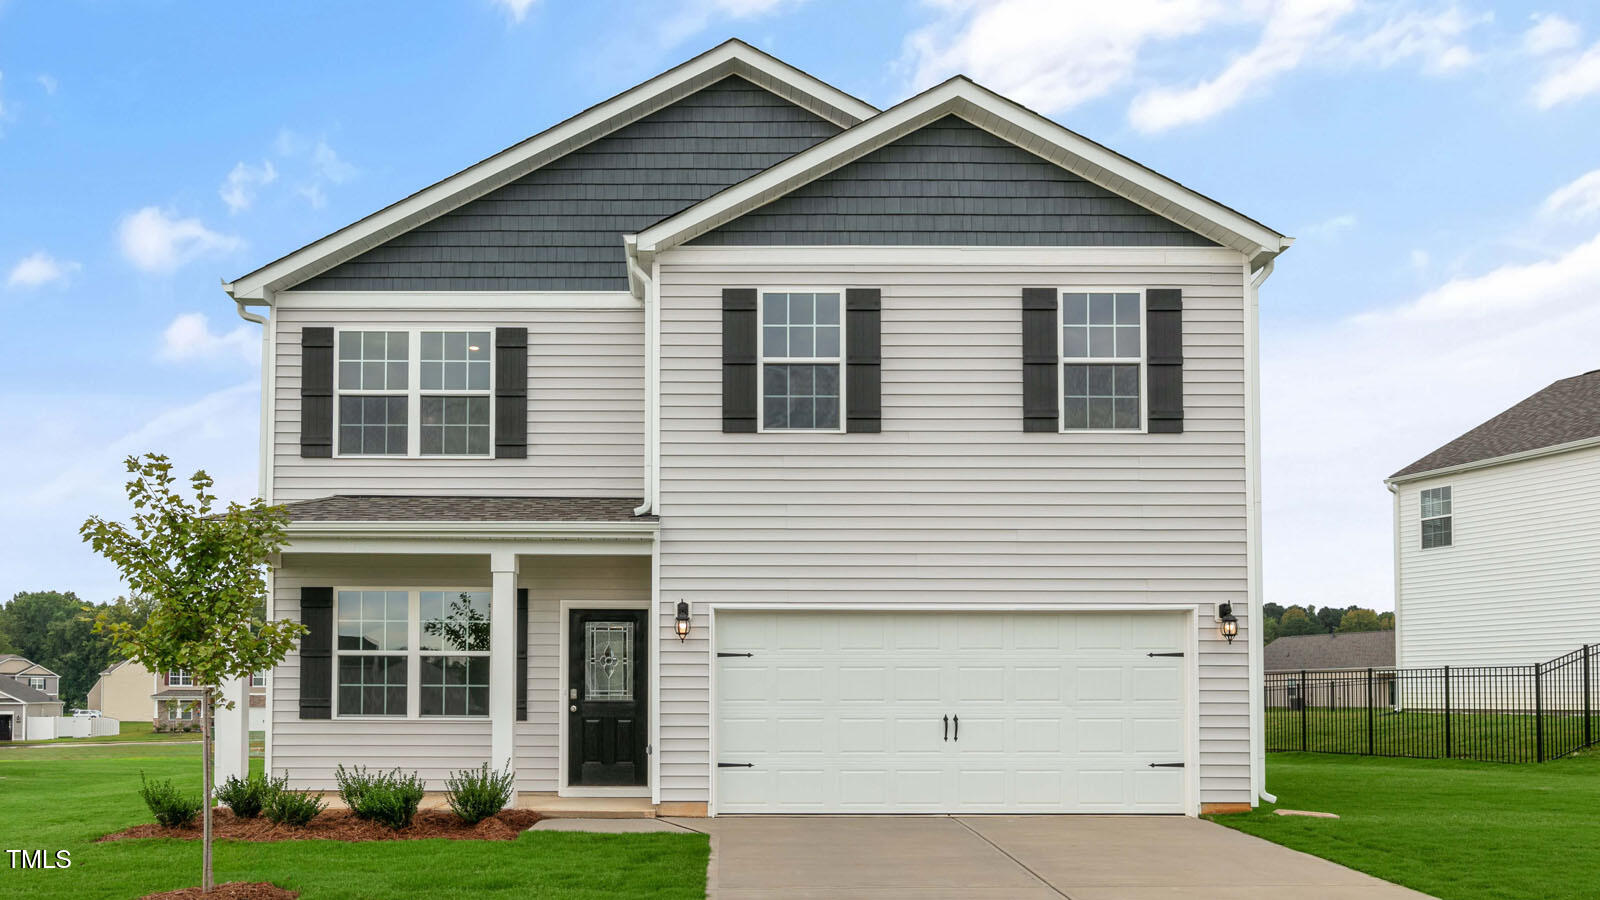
(444, 508)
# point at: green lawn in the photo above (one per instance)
(63, 798)
(1493, 738)
(1456, 829)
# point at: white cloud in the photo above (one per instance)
(189, 338)
(49, 83)
(1568, 79)
(1329, 227)
(39, 268)
(694, 16)
(157, 241)
(1347, 405)
(327, 165)
(1577, 199)
(239, 188)
(313, 164)
(1550, 33)
(516, 9)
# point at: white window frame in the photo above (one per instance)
(179, 678)
(182, 710)
(413, 654)
(1451, 499)
(37, 682)
(258, 679)
(761, 359)
(1063, 360)
(413, 392)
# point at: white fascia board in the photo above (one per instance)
(1004, 119)
(1497, 460)
(456, 300)
(516, 531)
(733, 57)
(766, 259)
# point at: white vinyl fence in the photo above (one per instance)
(44, 728)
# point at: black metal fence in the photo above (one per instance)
(1492, 713)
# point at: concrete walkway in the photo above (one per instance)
(1014, 857)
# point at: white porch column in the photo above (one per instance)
(503, 672)
(232, 740)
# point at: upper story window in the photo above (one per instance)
(1102, 361)
(36, 682)
(412, 653)
(450, 399)
(1436, 518)
(179, 678)
(801, 339)
(258, 679)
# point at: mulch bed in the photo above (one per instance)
(233, 890)
(341, 825)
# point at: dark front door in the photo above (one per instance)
(606, 697)
(5, 728)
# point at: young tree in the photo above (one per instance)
(203, 574)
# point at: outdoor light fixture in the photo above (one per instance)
(681, 622)
(1229, 624)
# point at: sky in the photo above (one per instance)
(1438, 162)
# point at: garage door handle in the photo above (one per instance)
(958, 728)
(947, 728)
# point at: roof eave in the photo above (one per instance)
(1501, 460)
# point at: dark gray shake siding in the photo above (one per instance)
(952, 183)
(559, 228)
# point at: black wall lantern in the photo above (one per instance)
(1228, 623)
(681, 622)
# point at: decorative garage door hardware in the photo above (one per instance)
(947, 728)
(736, 765)
(1178, 765)
(1175, 653)
(734, 654)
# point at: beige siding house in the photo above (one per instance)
(31, 674)
(123, 692)
(737, 447)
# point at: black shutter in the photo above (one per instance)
(316, 392)
(1041, 408)
(1164, 344)
(511, 393)
(316, 653)
(522, 654)
(863, 360)
(738, 360)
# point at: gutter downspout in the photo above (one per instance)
(1258, 747)
(647, 286)
(264, 478)
(1399, 638)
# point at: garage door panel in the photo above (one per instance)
(844, 712)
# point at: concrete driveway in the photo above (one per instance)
(1014, 857)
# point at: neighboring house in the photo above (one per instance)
(736, 446)
(123, 692)
(175, 699)
(31, 674)
(1341, 657)
(1497, 536)
(20, 702)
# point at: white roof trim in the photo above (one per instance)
(1535, 453)
(732, 57)
(1006, 120)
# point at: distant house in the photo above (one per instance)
(1498, 536)
(31, 674)
(1339, 650)
(1340, 661)
(176, 702)
(18, 703)
(123, 692)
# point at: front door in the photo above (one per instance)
(5, 727)
(606, 697)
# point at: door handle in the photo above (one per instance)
(947, 727)
(958, 728)
(572, 708)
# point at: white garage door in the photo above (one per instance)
(927, 712)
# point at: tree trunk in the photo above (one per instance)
(206, 735)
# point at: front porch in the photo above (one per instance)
(511, 638)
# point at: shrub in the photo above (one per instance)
(387, 798)
(477, 794)
(286, 807)
(248, 796)
(355, 783)
(169, 805)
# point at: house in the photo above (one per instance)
(735, 446)
(18, 703)
(122, 692)
(1497, 536)
(176, 697)
(1339, 659)
(31, 674)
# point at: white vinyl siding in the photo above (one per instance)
(585, 408)
(952, 502)
(308, 750)
(1517, 584)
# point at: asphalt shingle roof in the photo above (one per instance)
(372, 508)
(1566, 411)
(1340, 650)
(24, 693)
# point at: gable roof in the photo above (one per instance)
(1562, 413)
(1006, 119)
(1338, 650)
(20, 692)
(31, 667)
(733, 57)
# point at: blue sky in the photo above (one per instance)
(1439, 163)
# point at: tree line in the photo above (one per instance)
(56, 630)
(1285, 621)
